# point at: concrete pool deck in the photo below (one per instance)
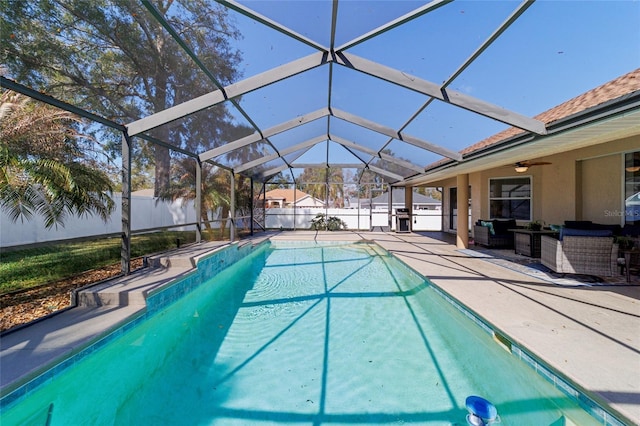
(590, 334)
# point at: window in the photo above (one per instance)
(632, 187)
(510, 198)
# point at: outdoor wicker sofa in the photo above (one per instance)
(588, 255)
(495, 235)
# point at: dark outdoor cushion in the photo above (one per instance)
(502, 226)
(585, 232)
(578, 224)
(614, 228)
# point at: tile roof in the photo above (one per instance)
(614, 89)
(286, 194)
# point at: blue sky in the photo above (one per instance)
(555, 51)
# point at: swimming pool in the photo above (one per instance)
(300, 334)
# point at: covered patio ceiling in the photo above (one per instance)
(393, 87)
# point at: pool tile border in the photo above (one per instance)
(585, 401)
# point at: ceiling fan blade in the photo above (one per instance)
(531, 163)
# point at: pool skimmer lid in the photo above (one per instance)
(481, 411)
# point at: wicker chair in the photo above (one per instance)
(501, 237)
(580, 255)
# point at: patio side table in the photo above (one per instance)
(631, 259)
(528, 242)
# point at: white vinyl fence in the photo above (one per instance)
(365, 219)
(146, 213)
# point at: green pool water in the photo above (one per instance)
(300, 334)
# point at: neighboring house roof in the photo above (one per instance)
(609, 91)
(285, 194)
(143, 193)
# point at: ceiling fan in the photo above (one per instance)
(523, 166)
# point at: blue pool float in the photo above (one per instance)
(482, 408)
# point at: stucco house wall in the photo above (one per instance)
(583, 184)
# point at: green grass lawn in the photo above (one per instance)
(21, 269)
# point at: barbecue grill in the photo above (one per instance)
(403, 220)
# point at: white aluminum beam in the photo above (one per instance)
(385, 173)
(267, 174)
(323, 165)
(239, 143)
(283, 152)
(401, 163)
(433, 90)
(348, 144)
(347, 165)
(371, 125)
(355, 154)
(232, 91)
(248, 140)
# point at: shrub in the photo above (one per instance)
(323, 223)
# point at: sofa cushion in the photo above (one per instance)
(564, 232)
(614, 228)
(578, 224)
(502, 226)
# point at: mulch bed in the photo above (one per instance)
(22, 307)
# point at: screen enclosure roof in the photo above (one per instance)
(392, 87)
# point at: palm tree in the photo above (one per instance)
(313, 181)
(335, 177)
(215, 188)
(42, 168)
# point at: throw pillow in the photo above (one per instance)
(488, 225)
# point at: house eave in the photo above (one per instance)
(608, 121)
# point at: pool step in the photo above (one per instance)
(133, 289)
(171, 262)
(129, 290)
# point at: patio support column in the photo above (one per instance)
(232, 209)
(125, 247)
(408, 204)
(390, 208)
(263, 191)
(370, 207)
(198, 201)
(462, 237)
